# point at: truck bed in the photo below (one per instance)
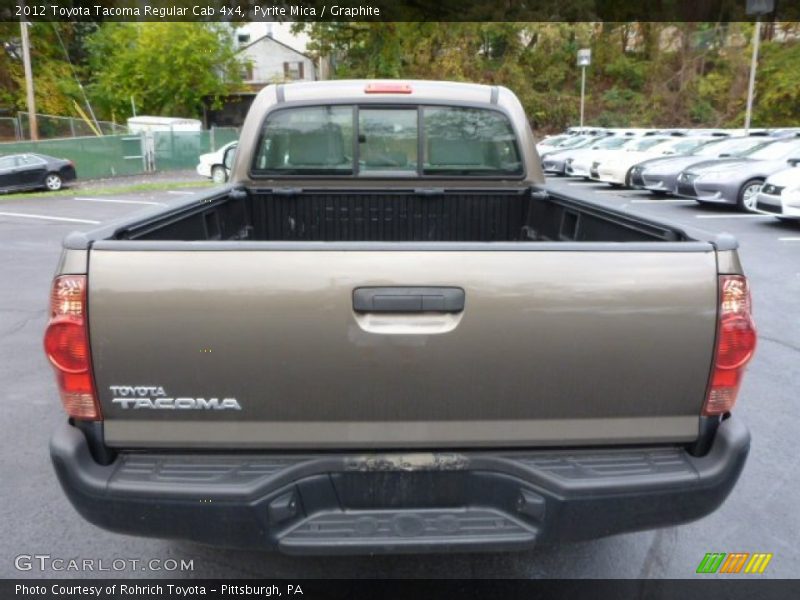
(578, 324)
(422, 215)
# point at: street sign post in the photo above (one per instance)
(759, 7)
(584, 60)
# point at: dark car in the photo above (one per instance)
(32, 171)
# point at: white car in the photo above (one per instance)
(580, 161)
(551, 142)
(780, 194)
(614, 166)
(211, 164)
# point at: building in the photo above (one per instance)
(271, 60)
(273, 54)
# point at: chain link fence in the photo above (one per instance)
(53, 127)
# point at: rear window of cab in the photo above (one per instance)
(387, 141)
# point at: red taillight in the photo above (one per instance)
(736, 342)
(66, 343)
(387, 88)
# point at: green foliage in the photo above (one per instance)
(629, 69)
(642, 74)
(56, 88)
(169, 68)
(778, 90)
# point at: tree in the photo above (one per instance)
(169, 68)
(55, 84)
(642, 74)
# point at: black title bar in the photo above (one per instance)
(390, 10)
(700, 588)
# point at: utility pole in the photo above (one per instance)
(752, 85)
(26, 61)
(757, 8)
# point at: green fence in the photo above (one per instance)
(113, 155)
(106, 156)
(180, 149)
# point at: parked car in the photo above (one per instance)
(389, 335)
(780, 194)
(586, 130)
(737, 181)
(614, 167)
(784, 132)
(212, 165)
(554, 161)
(34, 171)
(578, 162)
(660, 175)
(551, 142)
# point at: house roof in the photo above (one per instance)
(272, 39)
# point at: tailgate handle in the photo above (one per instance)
(408, 299)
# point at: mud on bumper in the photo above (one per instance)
(350, 503)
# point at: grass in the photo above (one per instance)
(110, 189)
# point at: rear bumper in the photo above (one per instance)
(351, 504)
(68, 174)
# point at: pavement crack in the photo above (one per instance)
(656, 561)
(23, 322)
(779, 342)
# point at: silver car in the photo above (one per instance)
(737, 181)
(660, 175)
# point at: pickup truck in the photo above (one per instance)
(386, 334)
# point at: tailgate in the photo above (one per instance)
(263, 348)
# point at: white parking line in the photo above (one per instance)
(734, 217)
(789, 239)
(663, 201)
(583, 183)
(178, 192)
(666, 201)
(81, 199)
(46, 218)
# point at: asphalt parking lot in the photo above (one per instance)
(760, 516)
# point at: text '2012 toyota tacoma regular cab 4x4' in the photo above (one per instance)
(386, 334)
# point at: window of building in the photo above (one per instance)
(293, 70)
